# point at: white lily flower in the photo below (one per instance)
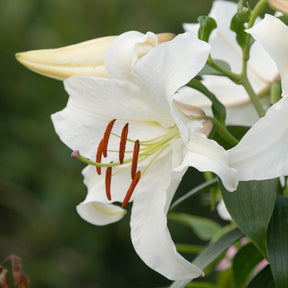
(262, 70)
(261, 152)
(140, 91)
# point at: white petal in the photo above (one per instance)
(170, 65)
(98, 213)
(122, 54)
(93, 102)
(207, 155)
(261, 152)
(150, 236)
(273, 35)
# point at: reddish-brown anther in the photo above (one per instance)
(108, 182)
(122, 145)
(99, 156)
(3, 278)
(21, 280)
(135, 158)
(131, 189)
(107, 136)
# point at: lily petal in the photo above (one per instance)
(259, 154)
(89, 110)
(150, 236)
(207, 155)
(272, 33)
(171, 65)
(98, 213)
(122, 54)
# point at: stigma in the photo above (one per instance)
(127, 159)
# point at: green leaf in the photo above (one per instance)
(211, 253)
(238, 26)
(263, 279)
(187, 248)
(244, 262)
(225, 279)
(207, 25)
(277, 242)
(208, 70)
(200, 188)
(251, 207)
(204, 228)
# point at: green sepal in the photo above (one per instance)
(251, 207)
(277, 242)
(238, 26)
(207, 25)
(244, 262)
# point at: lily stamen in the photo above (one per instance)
(135, 159)
(131, 189)
(106, 136)
(108, 182)
(99, 156)
(150, 150)
(123, 141)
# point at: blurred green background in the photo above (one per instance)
(40, 184)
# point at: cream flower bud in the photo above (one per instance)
(279, 5)
(85, 58)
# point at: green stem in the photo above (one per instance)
(233, 76)
(223, 132)
(253, 96)
(260, 6)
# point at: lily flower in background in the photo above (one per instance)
(85, 58)
(265, 144)
(261, 69)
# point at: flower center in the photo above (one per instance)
(128, 159)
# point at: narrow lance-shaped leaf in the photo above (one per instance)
(277, 242)
(251, 207)
(211, 253)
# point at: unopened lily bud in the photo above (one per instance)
(279, 5)
(85, 58)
